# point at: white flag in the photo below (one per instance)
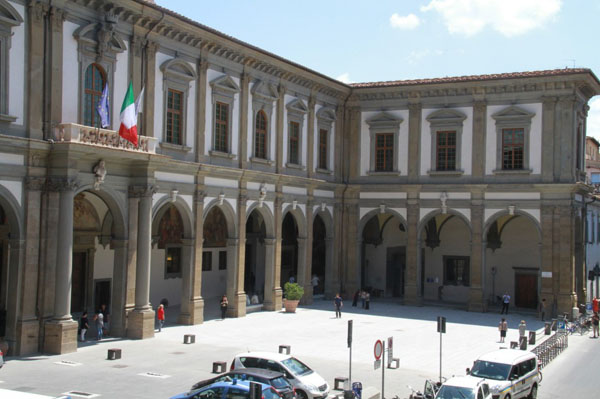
(139, 102)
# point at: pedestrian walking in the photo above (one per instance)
(99, 319)
(105, 319)
(543, 309)
(337, 302)
(367, 300)
(363, 298)
(505, 303)
(224, 305)
(160, 314)
(522, 329)
(503, 328)
(595, 323)
(83, 326)
(355, 298)
(315, 283)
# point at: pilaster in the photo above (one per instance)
(243, 141)
(310, 142)
(353, 260)
(35, 69)
(273, 294)
(55, 70)
(201, 84)
(150, 89)
(240, 295)
(564, 135)
(414, 141)
(280, 127)
(412, 248)
(119, 288)
(479, 135)
(307, 273)
(476, 303)
(566, 269)
(548, 148)
(338, 156)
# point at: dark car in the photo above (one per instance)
(273, 378)
(234, 389)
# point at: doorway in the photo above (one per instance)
(102, 293)
(395, 265)
(526, 290)
(79, 278)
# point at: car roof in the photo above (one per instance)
(238, 384)
(257, 372)
(265, 355)
(464, 381)
(509, 356)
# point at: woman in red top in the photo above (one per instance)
(161, 316)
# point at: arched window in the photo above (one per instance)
(95, 77)
(260, 140)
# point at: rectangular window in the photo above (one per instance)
(206, 261)
(173, 262)
(260, 140)
(294, 143)
(456, 270)
(222, 127)
(174, 116)
(384, 152)
(513, 146)
(446, 150)
(322, 163)
(222, 260)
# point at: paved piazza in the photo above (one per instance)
(315, 335)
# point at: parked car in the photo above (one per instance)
(511, 373)
(274, 378)
(467, 387)
(307, 383)
(234, 389)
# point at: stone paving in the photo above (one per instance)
(315, 335)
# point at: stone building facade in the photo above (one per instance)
(252, 169)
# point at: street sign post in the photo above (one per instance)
(441, 328)
(379, 351)
(350, 349)
(390, 354)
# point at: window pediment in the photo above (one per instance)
(225, 84)
(513, 114)
(384, 120)
(264, 91)
(9, 15)
(297, 106)
(446, 117)
(100, 38)
(326, 114)
(179, 69)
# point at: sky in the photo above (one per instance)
(375, 40)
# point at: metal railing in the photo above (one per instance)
(550, 348)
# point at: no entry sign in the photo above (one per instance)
(378, 350)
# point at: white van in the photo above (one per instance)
(467, 387)
(511, 373)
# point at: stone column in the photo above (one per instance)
(243, 141)
(479, 135)
(187, 271)
(549, 152)
(330, 268)
(232, 280)
(308, 251)
(150, 89)
(130, 271)
(476, 273)
(352, 265)
(414, 141)
(301, 277)
(566, 298)
(310, 142)
(27, 333)
(14, 309)
(119, 288)
(195, 307)
(410, 289)
(332, 285)
(201, 84)
(240, 295)
(35, 70)
(279, 133)
(274, 274)
(269, 301)
(547, 222)
(61, 331)
(141, 319)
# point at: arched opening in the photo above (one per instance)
(167, 260)
(513, 260)
(255, 266)
(384, 255)
(319, 256)
(289, 249)
(445, 242)
(4, 237)
(214, 255)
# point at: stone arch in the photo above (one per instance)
(182, 207)
(327, 220)
(299, 218)
(116, 207)
(425, 219)
(12, 209)
(265, 212)
(367, 217)
(493, 217)
(229, 213)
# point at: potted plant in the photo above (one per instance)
(293, 293)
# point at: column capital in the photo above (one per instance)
(137, 44)
(33, 183)
(57, 17)
(479, 105)
(549, 100)
(142, 191)
(270, 241)
(415, 106)
(36, 11)
(62, 184)
(118, 243)
(151, 48)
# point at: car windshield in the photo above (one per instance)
(450, 392)
(490, 370)
(270, 393)
(280, 383)
(296, 366)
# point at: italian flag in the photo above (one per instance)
(128, 128)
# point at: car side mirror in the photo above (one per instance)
(468, 371)
(514, 376)
(428, 396)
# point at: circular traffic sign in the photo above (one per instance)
(378, 350)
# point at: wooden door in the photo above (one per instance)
(79, 278)
(526, 290)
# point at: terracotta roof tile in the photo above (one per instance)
(476, 78)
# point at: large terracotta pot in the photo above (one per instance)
(290, 306)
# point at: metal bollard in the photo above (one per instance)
(531, 337)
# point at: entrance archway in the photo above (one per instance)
(383, 263)
(513, 259)
(289, 249)
(255, 266)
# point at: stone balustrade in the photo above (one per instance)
(74, 133)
